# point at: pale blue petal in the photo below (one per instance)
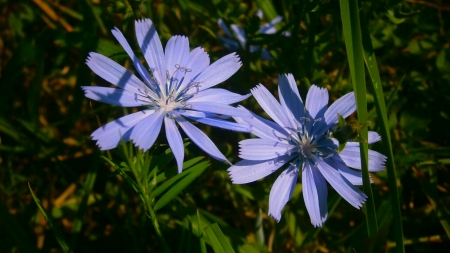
(349, 192)
(316, 101)
(229, 44)
(219, 71)
(108, 136)
(290, 97)
(216, 108)
(354, 177)
(223, 124)
(263, 149)
(217, 95)
(351, 156)
(262, 128)
(240, 34)
(247, 171)
(197, 63)
(315, 193)
(151, 47)
(200, 138)
(282, 191)
(265, 55)
(271, 106)
(114, 96)
(259, 13)
(136, 62)
(344, 106)
(373, 137)
(270, 28)
(177, 54)
(146, 131)
(189, 113)
(224, 27)
(175, 141)
(114, 73)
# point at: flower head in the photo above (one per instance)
(177, 87)
(300, 137)
(240, 42)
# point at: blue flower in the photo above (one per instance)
(241, 39)
(177, 88)
(300, 137)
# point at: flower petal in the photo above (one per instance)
(270, 28)
(218, 96)
(271, 106)
(315, 193)
(263, 149)
(316, 101)
(136, 62)
(219, 71)
(229, 44)
(216, 108)
(197, 63)
(114, 73)
(351, 156)
(354, 177)
(151, 47)
(247, 171)
(344, 106)
(114, 96)
(282, 191)
(177, 54)
(262, 128)
(240, 34)
(175, 141)
(372, 138)
(290, 97)
(223, 124)
(349, 192)
(224, 27)
(146, 131)
(200, 138)
(108, 136)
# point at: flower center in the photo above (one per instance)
(310, 147)
(175, 93)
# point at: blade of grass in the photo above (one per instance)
(200, 234)
(372, 67)
(219, 242)
(56, 232)
(353, 43)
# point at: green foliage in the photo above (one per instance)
(125, 200)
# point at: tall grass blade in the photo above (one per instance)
(352, 36)
(372, 67)
(219, 242)
(56, 232)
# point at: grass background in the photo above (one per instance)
(45, 123)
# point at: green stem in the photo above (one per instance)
(152, 213)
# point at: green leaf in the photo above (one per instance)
(56, 232)
(200, 234)
(177, 184)
(218, 241)
(372, 67)
(353, 43)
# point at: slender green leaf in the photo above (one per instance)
(372, 67)
(200, 234)
(218, 240)
(59, 236)
(353, 43)
(177, 184)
